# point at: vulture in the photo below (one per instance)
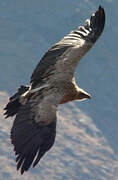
(52, 83)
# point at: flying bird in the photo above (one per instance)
(52, 83)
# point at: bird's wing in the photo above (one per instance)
(34, 128)
(63, 57)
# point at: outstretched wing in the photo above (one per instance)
(34, 128)
(67, 52)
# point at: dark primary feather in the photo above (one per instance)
(31, 140)
(88, 33)
(34, 128)
(97, 23)
(33, 133)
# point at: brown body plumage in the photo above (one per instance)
(52, 83)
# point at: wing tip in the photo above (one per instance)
(100, 7)
(97, 23)
(101, 10)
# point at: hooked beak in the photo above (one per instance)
(84, 95)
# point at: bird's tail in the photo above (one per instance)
(14, 102)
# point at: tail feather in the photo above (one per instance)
(14, 102)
